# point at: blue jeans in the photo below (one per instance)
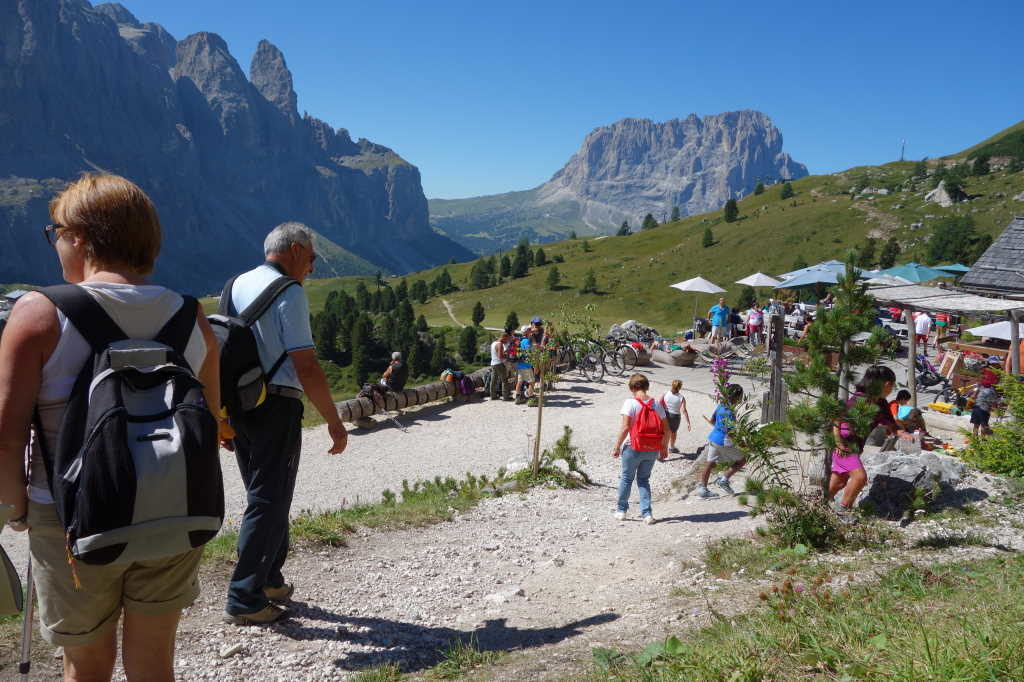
(267, 447)
(636, 465)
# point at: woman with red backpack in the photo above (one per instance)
(642, 439)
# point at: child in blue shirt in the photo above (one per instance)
(720, 446)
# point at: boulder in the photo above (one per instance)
(944, 197)
(1019, 197)
(631, 330)
(893, 477)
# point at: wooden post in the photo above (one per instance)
(776, 409)
(912, 356)
(1014, 344)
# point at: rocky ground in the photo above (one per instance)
(546, 575)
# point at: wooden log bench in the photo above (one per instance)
(357, 410)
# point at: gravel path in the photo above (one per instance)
(548, 574)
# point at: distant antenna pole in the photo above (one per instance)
(903, 148)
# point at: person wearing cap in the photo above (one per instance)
(985, 398)
(536, 331)
(396, 374)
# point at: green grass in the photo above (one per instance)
(950, 622)
(633, 272)
(945, 540)
(386, 672)
(726, 556)
(462, 657)
(222, 548)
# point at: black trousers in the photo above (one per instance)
(267, 447)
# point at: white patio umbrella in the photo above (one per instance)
(997, 330)
(759, 279)
(698, 285)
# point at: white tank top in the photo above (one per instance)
(140, 311)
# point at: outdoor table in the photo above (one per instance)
(980, 349)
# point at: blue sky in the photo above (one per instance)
(490, 97)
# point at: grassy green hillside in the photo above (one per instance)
(822, 221)
(1009, 142)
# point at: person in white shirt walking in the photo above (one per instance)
(923, 329)
(675, 408)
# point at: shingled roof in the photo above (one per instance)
(1000, 270)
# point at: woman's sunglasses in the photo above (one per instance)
(50, 233)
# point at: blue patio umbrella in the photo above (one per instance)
(915, 272)
(825, 265)
(809, 277)
(955, 268)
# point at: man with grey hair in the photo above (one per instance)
(269, 437)
(396, 374)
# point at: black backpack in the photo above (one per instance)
(136, 472)
(243, 381)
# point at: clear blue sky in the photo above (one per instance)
(491, 97)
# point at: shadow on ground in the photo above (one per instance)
(714, 517)
(417, 647)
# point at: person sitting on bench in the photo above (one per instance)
(396, 374)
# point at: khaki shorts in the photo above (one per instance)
(70, 617)
(525, 375)
(724, 453)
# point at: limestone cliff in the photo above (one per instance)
(224, 156)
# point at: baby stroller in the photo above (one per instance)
(926, 374)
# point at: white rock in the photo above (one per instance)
(506, 594)
(229, 651)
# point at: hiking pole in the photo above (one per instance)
(25, 665)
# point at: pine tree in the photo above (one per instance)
(866, 254)
(890, 252)
(1014, 166)
(709, 239)
(419, 359)
(731, 211)
(439, 360)
(572, 235)
(787, 191)
(506, 267)
(467, 344)
(980, 166)
(759, 189)
(402, 290)
(362, 296)
(361, 344)
(585, 246)
(421, 324)
(624, 229)
(554, 277)
(920, 170)
(819, 386)
(520, 266)
(512, 321)
(649, 222)
(478, 278)
(747, 298)
(589, 283)
(325, 335)
(379, 279)
(540, 258)
(419, 291)
(478, 313)
(675, 214)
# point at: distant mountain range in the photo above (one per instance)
(624, 171)
(224, 157)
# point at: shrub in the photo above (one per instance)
(1003, 451)
(793, 519)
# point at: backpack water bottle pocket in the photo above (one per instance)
(251, 389)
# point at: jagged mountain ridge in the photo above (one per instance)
(625, 170)
(224, 156)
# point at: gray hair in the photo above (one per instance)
(284, 235)
(396, 355)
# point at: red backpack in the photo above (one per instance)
(645, 432)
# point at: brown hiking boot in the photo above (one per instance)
(281, 594)
(265, 616)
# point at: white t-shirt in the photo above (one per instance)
(923, 324)
(673, 402)
(631, 408)
(495, 357)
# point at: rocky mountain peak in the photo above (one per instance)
(270, 75)
(117, 13)
(204, 59)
